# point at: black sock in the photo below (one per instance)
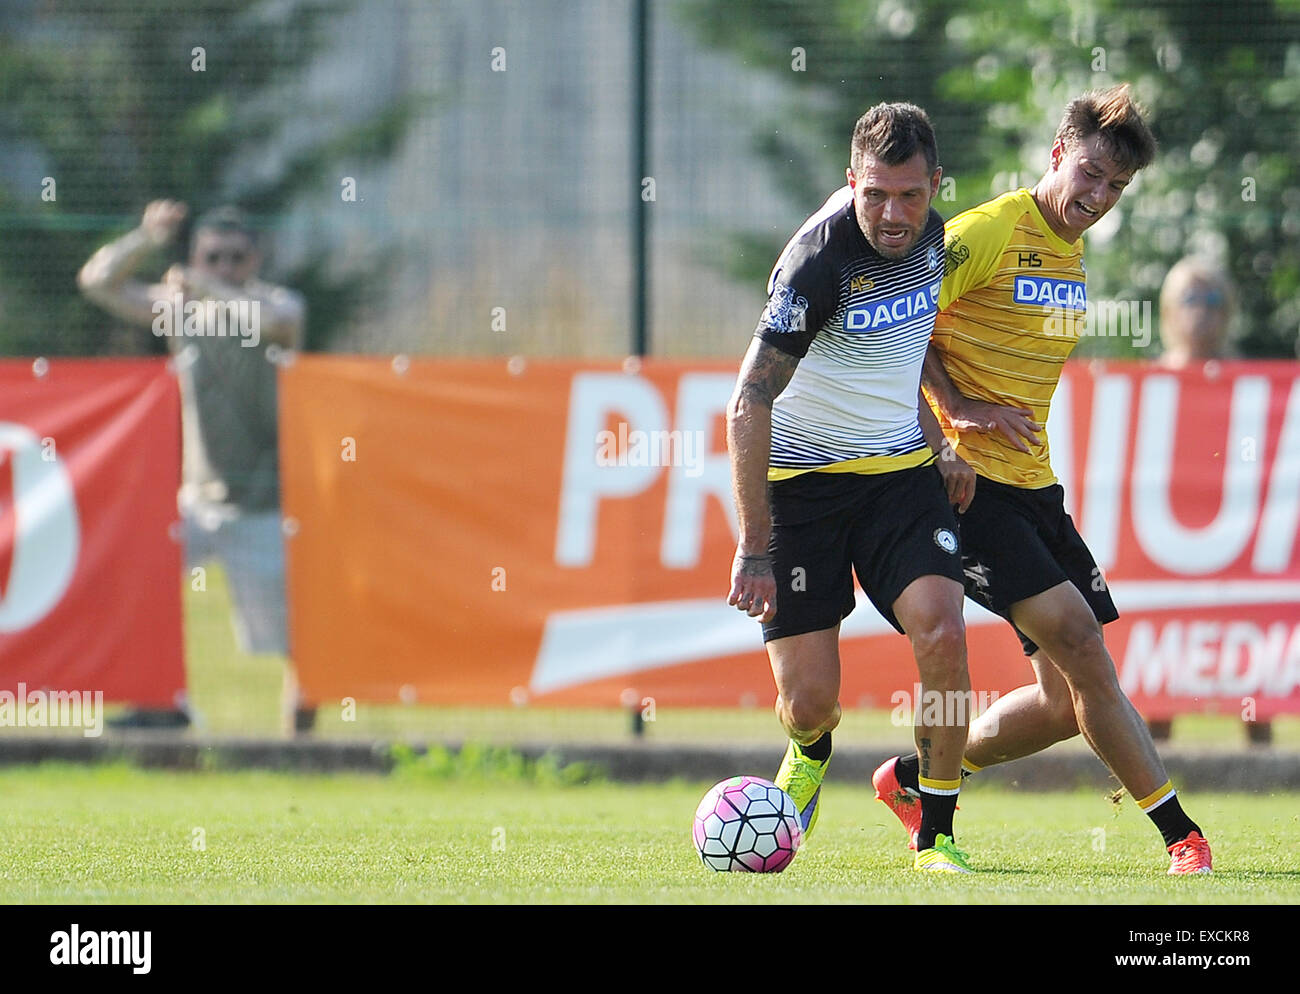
(936, 818)
(908, 770)
(819, 750)
(1173, 822)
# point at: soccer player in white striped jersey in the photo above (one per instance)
(834, 464)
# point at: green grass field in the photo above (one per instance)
(431, 833)
(113, 834)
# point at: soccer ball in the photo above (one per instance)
(747, 824)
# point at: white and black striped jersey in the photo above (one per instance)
(860, 325)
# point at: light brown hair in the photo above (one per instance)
(1113, 115)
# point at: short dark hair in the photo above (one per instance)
(1113, 115)
(225, 218)
(893, 133)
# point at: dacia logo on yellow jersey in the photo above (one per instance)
(886, 313)
(1069, 294)
(860, 283)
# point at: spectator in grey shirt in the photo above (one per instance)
(219, 320)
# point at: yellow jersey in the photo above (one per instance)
(1012, 306)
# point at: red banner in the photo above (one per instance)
(473, 533)
(1187, 489)
(89, 575)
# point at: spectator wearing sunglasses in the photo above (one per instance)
(1197, 304)
(219, 319)
(1196, 309)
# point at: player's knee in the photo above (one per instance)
(940, 650)
(807, 713)
(1079, 650)
(1091, 671)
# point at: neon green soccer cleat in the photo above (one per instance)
(801, 778)
(945, 857)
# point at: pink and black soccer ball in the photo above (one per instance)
(747, 824)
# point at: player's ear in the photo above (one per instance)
(848, 172)
(1058, 150)
(935, 180)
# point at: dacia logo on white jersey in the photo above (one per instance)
(1068, 294)
(882, 314)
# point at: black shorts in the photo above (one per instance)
(1017, 542)
(891, 528)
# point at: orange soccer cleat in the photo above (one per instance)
(1191, 855)
(905, 805)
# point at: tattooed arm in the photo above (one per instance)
(764, 373)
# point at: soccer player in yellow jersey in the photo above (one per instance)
(1013, 299)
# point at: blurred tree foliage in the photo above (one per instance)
(1219, 78)
(112, 102)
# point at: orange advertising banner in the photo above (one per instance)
(481, 532)
(90, 598)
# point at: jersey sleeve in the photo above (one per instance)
(973, 244)
(803, 293)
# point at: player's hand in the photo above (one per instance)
(1016, 424)
(180, 279)
(191, 281)
(753, 586)
(958, 477)
(162, 220)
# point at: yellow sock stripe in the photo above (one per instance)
(939, 786)
(1157, 796)
(970, 767)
